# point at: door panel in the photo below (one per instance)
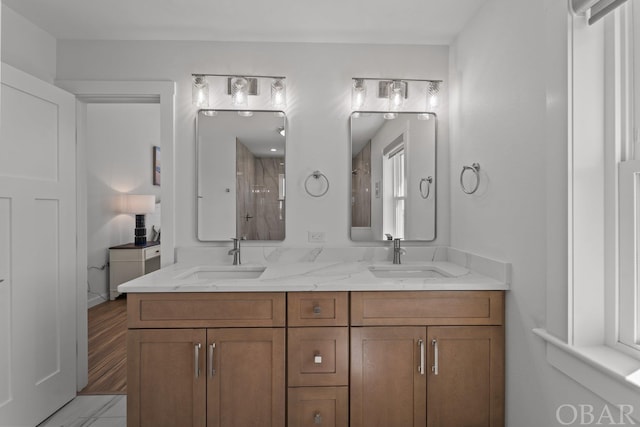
(386, 387)
(247, 385)
(37, 187)
(162, 387)
(470, 375)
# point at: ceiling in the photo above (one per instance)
(329, 21)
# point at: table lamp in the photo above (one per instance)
(139, 205)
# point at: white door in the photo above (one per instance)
(37, 249)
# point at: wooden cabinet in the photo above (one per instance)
(210, 373)
(165, 386)
(387, 388)
(437, 376)
(336, 359)
(318, 359)
(466, 370)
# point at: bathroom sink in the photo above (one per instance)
(222, 272)
(407, 272)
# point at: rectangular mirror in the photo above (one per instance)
(393, 176)
(240, 157)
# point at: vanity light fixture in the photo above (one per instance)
(396, 91)
(278, 94)
(433, 98)
(358, 94)
(240, 92)
(240, 88)
(200, 91)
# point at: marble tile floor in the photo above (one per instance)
(94, 411)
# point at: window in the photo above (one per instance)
(394, 188)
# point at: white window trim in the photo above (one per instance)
(592, 355)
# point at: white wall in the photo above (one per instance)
(27, 47)
(319, 102)
(119, 144)
(504, 79)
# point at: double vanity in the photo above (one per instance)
(305, 337)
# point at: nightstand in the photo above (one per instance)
(126, 262)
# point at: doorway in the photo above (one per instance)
(123, 92)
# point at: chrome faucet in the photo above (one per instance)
(235, 251)
(397, 251)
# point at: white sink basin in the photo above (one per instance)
(214, 272)
(407, 272)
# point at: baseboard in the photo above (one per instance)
(94, 300)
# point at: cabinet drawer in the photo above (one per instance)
(152, 252)
(202, 310)
(318, 309)
(427, 308)
(318, 356)
(313, 406)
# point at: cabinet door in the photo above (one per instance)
(388, 387)
(246, 377)
(318, 406)
(466, 376)
(166, 383)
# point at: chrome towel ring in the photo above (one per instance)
(428, 181)
(318, 176)
(476, 171)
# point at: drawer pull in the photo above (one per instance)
(317, 359)
(196, 349)
(212, 370)
(434, 368)
(317, 418)
(421, 366)
(317, 309)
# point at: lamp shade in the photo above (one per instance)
(139, 204)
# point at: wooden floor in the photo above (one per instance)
(108, 348)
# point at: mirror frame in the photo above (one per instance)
(435, 174)
(197, 169)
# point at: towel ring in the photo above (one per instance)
(428, 180)
(476, 171)
(317, 175)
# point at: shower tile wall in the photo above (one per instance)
(361, 188)
(260, 212)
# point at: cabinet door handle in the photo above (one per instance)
(196, 349)
(421, 366)
(434, 368)
(317, 309)
(317, 418)
(212, 370)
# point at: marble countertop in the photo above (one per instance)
(281, 271)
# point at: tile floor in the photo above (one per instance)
(94, 411)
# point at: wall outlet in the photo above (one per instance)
(316, 236)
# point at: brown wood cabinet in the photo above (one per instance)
(438, 376)
(210, 375)
(163, 388)
(427, 359)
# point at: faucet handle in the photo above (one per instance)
(389, 236)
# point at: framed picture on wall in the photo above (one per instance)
(156, 165)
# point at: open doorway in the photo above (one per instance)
(122, 147)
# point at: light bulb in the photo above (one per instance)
(396, 95)
(240, 92)
(278, 94)
(200, 92)
(433, 92)
(358, 94)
